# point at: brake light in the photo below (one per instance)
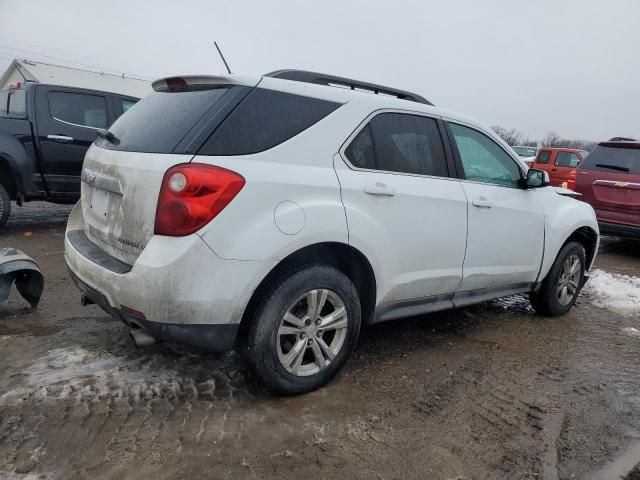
(192, 194)
(571, 182)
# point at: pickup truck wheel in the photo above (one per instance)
(562, 285)
(303, 330)
(5, 206)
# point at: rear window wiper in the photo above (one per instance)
(612, 167)
(108, 136)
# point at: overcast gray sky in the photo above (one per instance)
(566, 65)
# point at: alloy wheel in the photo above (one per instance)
(569, 280)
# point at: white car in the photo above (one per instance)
(279, 214)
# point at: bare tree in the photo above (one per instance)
(511, 136)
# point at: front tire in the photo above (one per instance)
(562, 284)
(5, 206)
(303, 330)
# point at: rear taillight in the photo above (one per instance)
(571, 182)
(192, 194)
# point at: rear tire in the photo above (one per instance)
(5, 206)
(562, 285)
(303, 330)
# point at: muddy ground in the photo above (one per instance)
(491, 391)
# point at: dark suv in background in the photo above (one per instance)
(45, 130)
(609, 179)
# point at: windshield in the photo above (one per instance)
(525, 151)
(12, 104)
(613, 159)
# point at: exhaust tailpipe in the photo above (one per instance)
(141, 339)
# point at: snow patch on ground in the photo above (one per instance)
(633, 332)
(81, 374)
(616, 292)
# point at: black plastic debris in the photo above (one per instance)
(18, 268)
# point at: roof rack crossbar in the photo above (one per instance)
(332, 80)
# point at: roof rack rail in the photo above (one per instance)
(332, 80)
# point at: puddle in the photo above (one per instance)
(621, 466)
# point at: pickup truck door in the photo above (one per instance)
(66, 124)
(506, 224)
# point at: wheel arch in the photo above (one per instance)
(345, 258)
(588, 238)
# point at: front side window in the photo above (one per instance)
(482, 159)
(544, 157)
(567, 159)
(403, 143)
(78, 109)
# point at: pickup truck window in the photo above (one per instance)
(543, 157)
(13, 104)
(567, 159)
(78, 109)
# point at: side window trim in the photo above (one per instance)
(365, 123)
(105, 97)
(458, 160)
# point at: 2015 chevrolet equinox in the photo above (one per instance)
(277, 214)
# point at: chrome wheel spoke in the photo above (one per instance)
(326, 349)
(308, 342)
(286, 330)
(335, 320)
(293, 359)
(317, 353)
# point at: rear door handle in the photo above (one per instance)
(60, 138)
(482, 202)
(379, 189)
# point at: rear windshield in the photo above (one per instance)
(613, 159)
(158, 122)
(13, 104)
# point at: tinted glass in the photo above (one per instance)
(483, 160)
(401, 143)
(13, 104)
(127, 104)
(543, 157)
(567, 159)
(78, 109)
(360, 150)
(158, 122)
(264, 119)
(613, 159)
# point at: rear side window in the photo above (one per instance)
(78, 109)
(264, 119)
(543, 157)
(158, 122)
(127, 104)
(613, 159)
(567, 159)
(396, 142)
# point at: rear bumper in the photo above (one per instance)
(619, 230)
(184, 291)
(214, 338)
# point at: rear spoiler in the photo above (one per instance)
(197, 82)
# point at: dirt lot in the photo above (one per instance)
(492, 391)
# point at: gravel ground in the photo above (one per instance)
(491, 391)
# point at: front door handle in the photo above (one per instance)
(60, 138)
(379, 189)
(482, 202)
(554, 169)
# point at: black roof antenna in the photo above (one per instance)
(222, 57)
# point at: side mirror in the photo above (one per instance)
(536, 178)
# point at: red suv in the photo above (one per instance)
(559, 163)
(609, 179)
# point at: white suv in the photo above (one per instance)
(278, 214)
